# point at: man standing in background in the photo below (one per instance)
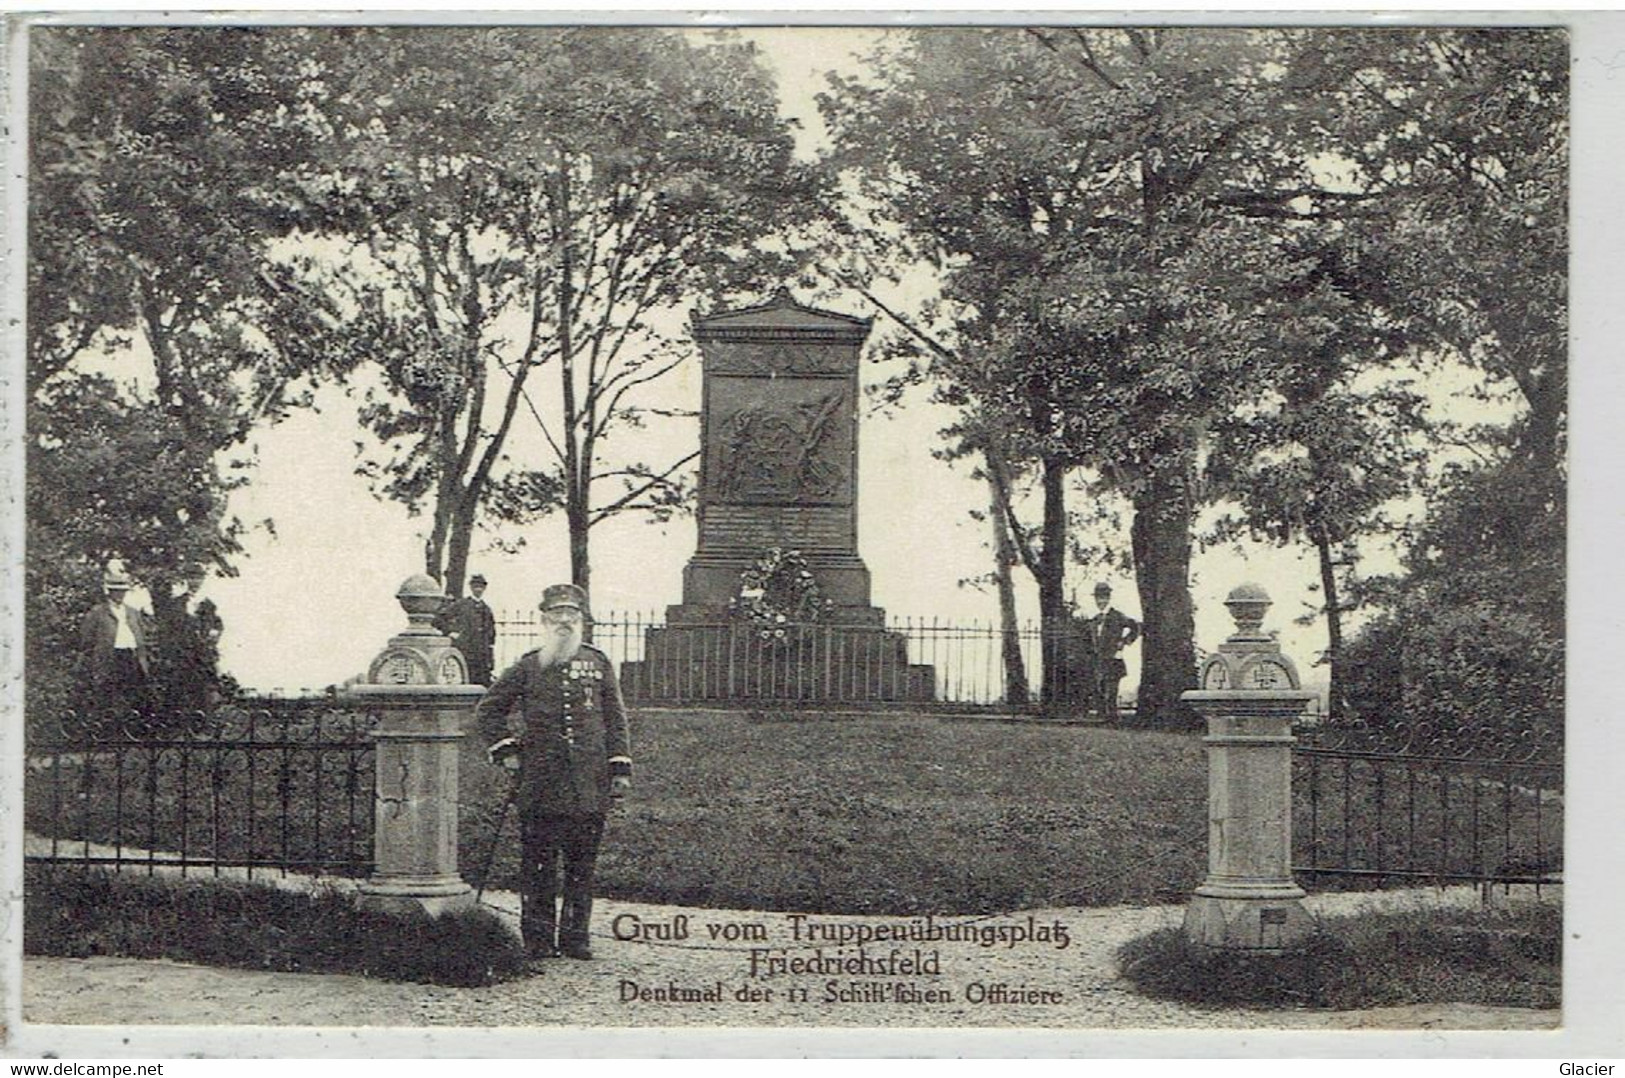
(473, 628)
(574, 754)
(114, 647)
(1076, 686)
(1109, 632)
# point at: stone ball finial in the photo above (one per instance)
(1247, 604)
(1249, 660)
(421, 596)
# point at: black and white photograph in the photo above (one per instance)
(1038, 524)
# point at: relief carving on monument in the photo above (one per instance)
(783, 451)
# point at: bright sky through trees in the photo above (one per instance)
(314, 599)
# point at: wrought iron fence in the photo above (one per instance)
(272, 786)
(1410, 803)
(966, 660)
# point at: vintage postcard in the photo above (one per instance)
(998, 534)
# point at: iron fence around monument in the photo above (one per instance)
(817, 664)
(259, 786)
(1401, 804)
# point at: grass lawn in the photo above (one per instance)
(884, 813)
(887, 814)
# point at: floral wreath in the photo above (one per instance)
(777, 593)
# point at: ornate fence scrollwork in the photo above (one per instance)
(1422, 740)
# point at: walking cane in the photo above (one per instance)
(499, 751)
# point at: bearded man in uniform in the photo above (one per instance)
(573, 754)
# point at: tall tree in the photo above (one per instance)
(1466, 137)
(1000, 439)
(1011, 545)
(1078, 186)
(858, 250)
(541, 199)
(1465, 134)
(1343, 436)
(1005, 556)
(158, 167)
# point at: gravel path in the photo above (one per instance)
(630, 982)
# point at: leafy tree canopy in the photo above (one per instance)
(520, 199)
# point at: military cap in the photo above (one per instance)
(556, 596)
(477, 578)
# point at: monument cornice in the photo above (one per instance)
(782, 319)
(743, 371)
(803, 334)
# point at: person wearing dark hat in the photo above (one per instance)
(473, 628)
(573, 754)
(1109, 632)
(114, 646)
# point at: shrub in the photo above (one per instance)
(1472, 638)
(81, 912)
(1506, 958)
(467, 948)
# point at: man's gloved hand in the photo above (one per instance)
(504, 753)
(619, 786)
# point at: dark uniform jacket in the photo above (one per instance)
(1109, 633)
(98, 631)
(471, 623)
(573, 731)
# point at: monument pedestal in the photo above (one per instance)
(1249, 902)
(711, 582)
(415, 822)
(732, 662)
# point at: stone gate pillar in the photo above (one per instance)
(418, 687)
(1250, 696)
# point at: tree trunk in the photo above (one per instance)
(434, 552)
(1016, 691)
(1161, 535)
(577, 449)
(1543, 426)
(173, 686)
(1543, 381)
(1334, 621)
(457, 547)
(580, 563)
(447, 492)
(1052, 613)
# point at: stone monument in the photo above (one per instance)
(778, 469)
(1250, 696)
